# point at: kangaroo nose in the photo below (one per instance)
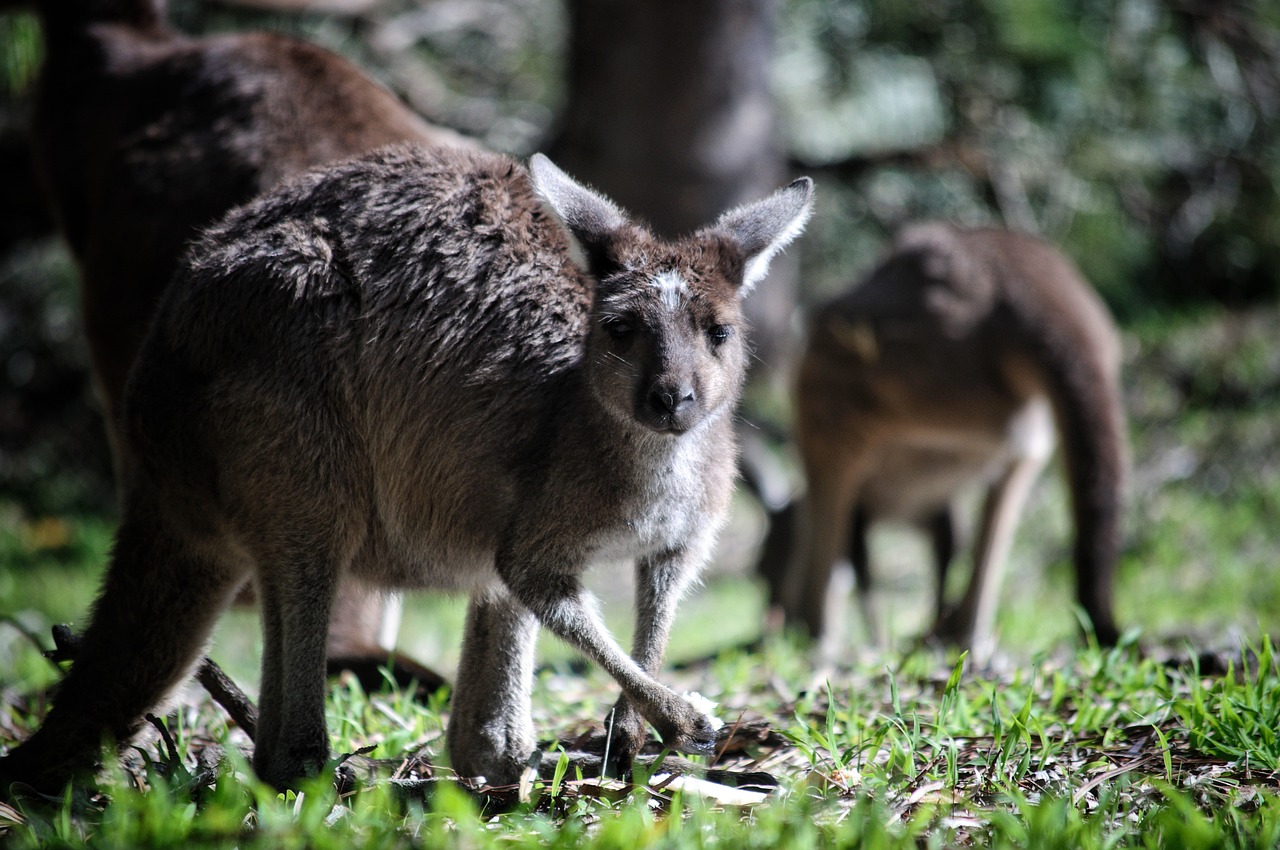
(671, 399)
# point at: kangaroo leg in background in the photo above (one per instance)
(362, 634)
(825, 516)
(490, 718)
(762, 475)
(774, 562)
(942, 537)
(972, 622)
(149, 626)
(860, 560)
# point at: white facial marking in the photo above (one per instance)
(672, 287)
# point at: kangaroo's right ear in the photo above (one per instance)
(588, 218)
(765, 227)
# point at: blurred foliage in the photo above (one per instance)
(19, 53)
(488, 68)
(53, 451)
(1138, 134)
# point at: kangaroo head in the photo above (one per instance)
(667, 344)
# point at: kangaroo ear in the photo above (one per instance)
(765, 227)
(588, 217)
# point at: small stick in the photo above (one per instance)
(170, 745)
(225, 692)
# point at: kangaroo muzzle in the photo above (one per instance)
(670, 406)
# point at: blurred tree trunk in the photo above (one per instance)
(23, 214)
(670, 113)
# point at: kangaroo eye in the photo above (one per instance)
(617, 327)
(719, 334)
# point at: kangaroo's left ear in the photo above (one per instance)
(588, 218)
(763, 228)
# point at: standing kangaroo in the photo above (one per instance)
(425, 368)
(948, 368)
(143, 136)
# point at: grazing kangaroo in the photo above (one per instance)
(948, 368)
(425, 368)
(143, 136)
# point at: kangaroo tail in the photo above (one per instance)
(1072, 338)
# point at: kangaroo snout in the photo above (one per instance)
(671, 398)
(671, 406)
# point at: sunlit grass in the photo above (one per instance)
(907, 753)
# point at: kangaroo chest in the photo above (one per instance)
(660, 507)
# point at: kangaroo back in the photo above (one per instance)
(144, 136)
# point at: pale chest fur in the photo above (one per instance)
(678, 501)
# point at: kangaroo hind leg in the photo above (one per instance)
(297, 593)
(972, 622)
(825, 531)
(942, 528)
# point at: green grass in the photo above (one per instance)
(1052, 744)
(21, 50)
(1088, 748)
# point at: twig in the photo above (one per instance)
(1083, 790)
(170, 746)
(728, 739)
(225, 692)
(591, 763)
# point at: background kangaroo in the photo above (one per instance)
(143, 136)
(949, 367)
(396, 369)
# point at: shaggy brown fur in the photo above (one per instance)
(408, 369)
(143, 136)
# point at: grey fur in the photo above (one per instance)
(393, 368)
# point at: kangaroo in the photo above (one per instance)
(427, 368)
(949, 368)
(143, 136)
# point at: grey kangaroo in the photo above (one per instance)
(423, 368)
(948, 368)
(144, 135)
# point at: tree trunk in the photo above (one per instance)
(670, 113)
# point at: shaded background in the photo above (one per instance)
(1139, 135)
